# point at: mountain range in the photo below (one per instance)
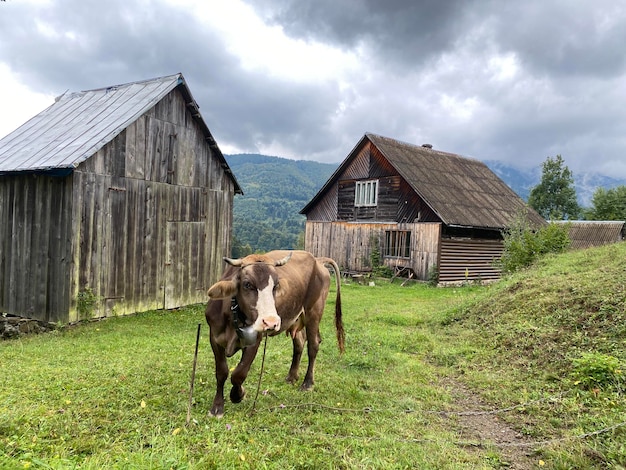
(275, 189)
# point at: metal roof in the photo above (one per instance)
(462, 191)
(79, 124)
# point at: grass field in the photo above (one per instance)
(431, 378)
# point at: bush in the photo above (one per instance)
(86, 303)
(433, 275)
(523, 245)
(596, 370)
(382, 271)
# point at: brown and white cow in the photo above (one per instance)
(268, 294)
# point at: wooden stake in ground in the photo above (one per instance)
(193, 375)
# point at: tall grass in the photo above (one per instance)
(113, 394)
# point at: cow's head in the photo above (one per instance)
(254, 285)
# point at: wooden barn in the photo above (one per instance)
(421, 210)
(112, 201)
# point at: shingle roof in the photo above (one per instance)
(462, 191)
(79, 124)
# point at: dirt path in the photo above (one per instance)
(478, 427)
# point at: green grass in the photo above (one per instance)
(113, 394)
(556, 330)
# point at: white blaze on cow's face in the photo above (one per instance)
(267, 319)
(258, 284)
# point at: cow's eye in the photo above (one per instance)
(247, 285)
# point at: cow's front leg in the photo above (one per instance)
(241, 372)
(298, 347)
(221, 374)
(313, 345)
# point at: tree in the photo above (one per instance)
(555, 196)
(608, 204)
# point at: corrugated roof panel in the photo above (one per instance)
(588, 233)
(79, 124)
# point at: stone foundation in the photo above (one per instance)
(14, 327)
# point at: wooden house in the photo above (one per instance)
(422, 211)
(112, 201)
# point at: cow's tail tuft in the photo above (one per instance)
(341, 335)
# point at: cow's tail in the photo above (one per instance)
(341, 335)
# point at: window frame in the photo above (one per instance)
(397, 244)
(366, 193)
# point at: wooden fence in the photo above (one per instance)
(351, 245)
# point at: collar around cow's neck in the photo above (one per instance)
(245, 333)
(239, 318)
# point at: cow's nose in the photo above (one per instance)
(271, 323)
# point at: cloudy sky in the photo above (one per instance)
(515, 81)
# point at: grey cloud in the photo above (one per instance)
(254, 112)
(403, 30)
(565, 38)
(426, 73)
(100, 43)
(562, 36)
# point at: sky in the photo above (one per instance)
(505, 80)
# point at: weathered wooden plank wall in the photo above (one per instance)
(153, 215)
(34, 246)
(326, 207)
(469, 260)
(143, 223)
(350, 244)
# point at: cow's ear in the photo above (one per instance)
(223, 289)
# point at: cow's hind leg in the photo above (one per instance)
(241, 372)
(298, 347)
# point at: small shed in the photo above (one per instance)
(589, 233)
(112, 201)
(423, 211)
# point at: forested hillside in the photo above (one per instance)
(267, 216)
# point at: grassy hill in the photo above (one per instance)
(267, 216)
(556, 329)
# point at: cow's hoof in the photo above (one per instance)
(306, 387)
(216, 414)
(291, 379)
(217, 410)
(237, 394)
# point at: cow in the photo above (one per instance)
(280, 291)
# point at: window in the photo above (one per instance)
(366, 193)
(397, 244)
